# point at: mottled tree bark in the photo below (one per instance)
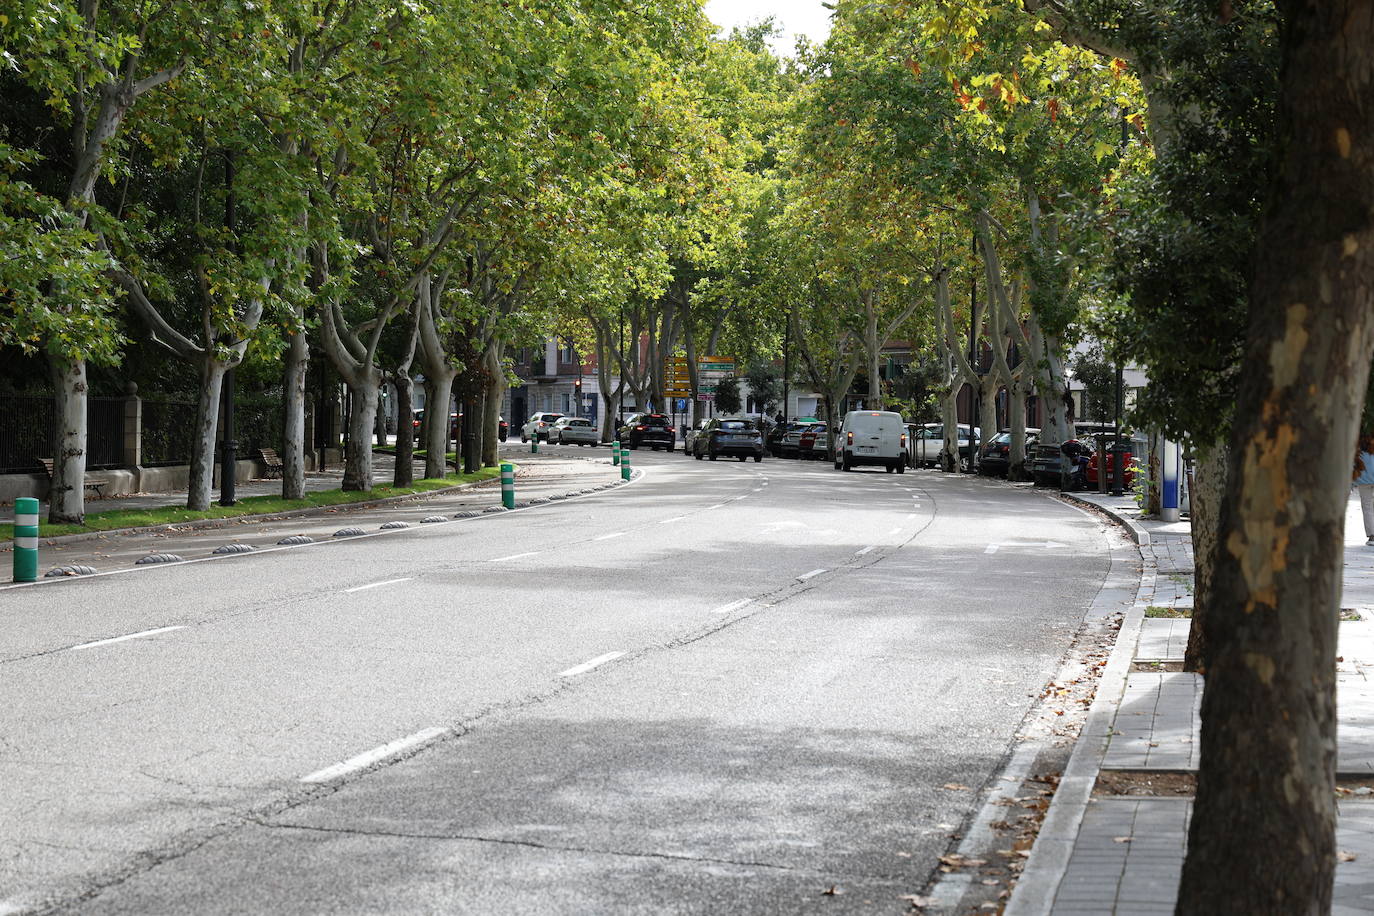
(67, 498)
(293, 444)
(1263, 830)
(1209, 486)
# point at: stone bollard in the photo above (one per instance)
(26, 539)
(508, 485)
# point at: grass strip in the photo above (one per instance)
(116, 519)
(1159, 610)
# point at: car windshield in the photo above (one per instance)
(579, 422)
(550, 417)
(1001, 439)
(733, 424)
(654, 420)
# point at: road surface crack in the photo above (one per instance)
(555, 847)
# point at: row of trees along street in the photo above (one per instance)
(421, 187)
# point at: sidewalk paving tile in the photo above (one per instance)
(1141, 876)
(1163, 639)
(1156, 722)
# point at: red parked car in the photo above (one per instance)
(1091, 470)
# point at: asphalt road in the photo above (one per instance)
(725, 688)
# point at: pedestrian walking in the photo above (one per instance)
(1364, 482)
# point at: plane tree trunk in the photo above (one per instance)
(1262, 838)
(66, 502)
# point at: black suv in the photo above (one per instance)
(728, 436)
(654, 430)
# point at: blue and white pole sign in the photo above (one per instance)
(1171, 474)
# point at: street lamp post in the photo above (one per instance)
(228, 457)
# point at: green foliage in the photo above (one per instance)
(1183, 243)
(1097, 377)
(727, 396)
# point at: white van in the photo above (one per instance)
(871, 437)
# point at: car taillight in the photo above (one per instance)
(903, 440)
(639, 427)
(848, 438)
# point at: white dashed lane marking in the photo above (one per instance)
(588, 666)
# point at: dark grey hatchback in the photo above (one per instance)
(650, 430)
(728, 436)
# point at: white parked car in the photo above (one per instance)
(574, 431)
(876, 437)
(539, 425)
(928, 441)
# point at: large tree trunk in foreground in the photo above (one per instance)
(1263, 829)
(1016, 419)
(358, 457)
(293, 444)
(491, 414)
(203, 443)
(1209, 486)
(437, 424)
(67, 499)
(404, 474)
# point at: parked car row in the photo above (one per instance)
(417, 419)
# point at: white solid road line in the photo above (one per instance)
(675, 518)
(588, 666)
(811, 575)
(992, 548)
(514, 556)
(870, 548)
(733, 606)
(607, 537)
(377, 754)
(141, 633)
(362, 588)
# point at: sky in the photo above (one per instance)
(796, 17)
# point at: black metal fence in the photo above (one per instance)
(168, 430)
(105, 432)
(257, 425)
(27, 425)
(28, 432)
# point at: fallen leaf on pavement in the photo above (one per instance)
(1121, 839)
(1344, 856)
(955, 786)
(832, 891)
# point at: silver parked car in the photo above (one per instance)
(574, 431)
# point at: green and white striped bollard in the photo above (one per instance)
(615, 453)
(625, 463)
(26, 539)
(508, 485)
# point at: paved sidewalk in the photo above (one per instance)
(541, 478)
(1127, 849)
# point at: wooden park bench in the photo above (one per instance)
(95, 486)
(271, 461)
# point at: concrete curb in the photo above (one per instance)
(289, 513)
(1137, 533)
(1035, 892)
